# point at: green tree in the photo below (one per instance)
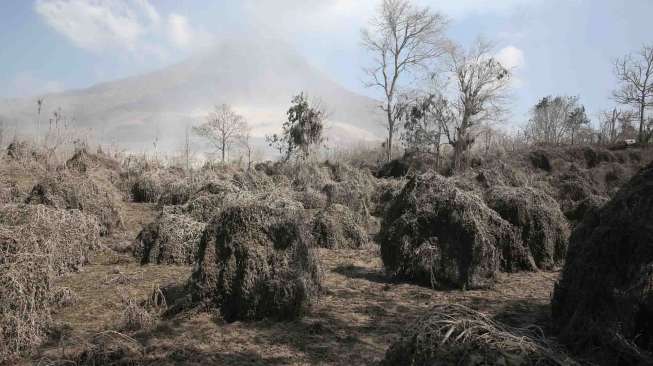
(301, 131)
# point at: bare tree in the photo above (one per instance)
(187, 149)
(635, 76)
(401, 38)
(245, 142)
(480, 92)
(549, 122)
(222, 128)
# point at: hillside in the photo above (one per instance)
(256, 76)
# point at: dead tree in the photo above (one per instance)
(222, 128)
(401, 38)
(635, 76)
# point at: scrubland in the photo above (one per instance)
(540, 256)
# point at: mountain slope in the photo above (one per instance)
(257, 77)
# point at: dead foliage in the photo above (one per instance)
(74, 191)
(453, 334)
(37, 243)
(254, 262)
(604, 298)
(336, 227)
(438, 235)
(537, 217)
(83, 161)
(171, 239)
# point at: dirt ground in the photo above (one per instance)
(359, 316)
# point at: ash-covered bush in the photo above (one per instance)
(537, 218)
(65, 237)
(255, 262)
(436, 234)
(162, 186)
(336, 227)
(604, 298)
(171, 239)
(25, 312)
(500, 174)
(456, 335)
(576, 211)
(83, 161)
(80, 192)
(540, 159)
(311, 199)
(37, 243)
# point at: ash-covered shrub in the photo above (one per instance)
(311, 199)
(575, 185)
(171, 239)
(162, 186)
(64, 237)
(537, 218)
(336, 227)
(80, 192)
(84, 162)
(351, 195)
(540, 159)
(456, 335)
(436, 234)
(254, 262)
(604, 298)
(576, 211)
(25, 311)
(500, 174)
(253, 180)
(386, 191)
(37, 243)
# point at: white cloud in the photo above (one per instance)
(183, 35)
(178, 29)
(100, 24)
(511, 57)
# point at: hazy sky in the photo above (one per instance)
(556, 46)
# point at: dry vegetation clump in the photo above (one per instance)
(36, 244)
(436, 234)
(8, 193)
(310, 198)
(254, 262)
(135, 316)
(604, 298)
(500, 174)
(538, 219)
(111, 348)
(74, 191)
(64, 237)
(336, 227)
(151, 186)
(386, 191)
(253, 180)
(540, 159)
(84, 162)
(171, 239)
(587, 206)
(453, 334)
(24, 151)
(24, 301)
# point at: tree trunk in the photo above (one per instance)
(641, 122)
(391, 128)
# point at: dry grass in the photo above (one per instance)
(456, 334)
(362, 312)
